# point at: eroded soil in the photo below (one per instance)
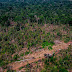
(39, 54)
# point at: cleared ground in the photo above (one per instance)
(39, 54)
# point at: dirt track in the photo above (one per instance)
(38, 55)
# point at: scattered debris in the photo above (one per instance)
(39, 60)
(47, 55)
(59, 49)
(57, 42)
(1, 69)
(33, 57)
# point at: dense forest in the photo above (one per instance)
(40, 11)
(22, 25)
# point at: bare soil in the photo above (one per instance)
(39, 54)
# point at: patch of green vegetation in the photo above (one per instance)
(31, 52)
(50, 47)
(62, 70)
(36, 62)
(18, 60)
(67, 40)
(43, 70)
(30, 44)
(2, 63)
(22, 54)
(44, 44)
(16, 56)
(11, 70)
(59, 34)
(48, 33)
(21, 68)
(27, 52)
(27, 65)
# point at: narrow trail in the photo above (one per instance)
(35, 56)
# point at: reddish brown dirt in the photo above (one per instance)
(34, 67)
(1, 69)
(39, 55)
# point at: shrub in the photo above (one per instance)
(48, 33)
(70, 23)
(54, 69)
(21, 68)
(59, 34)
(62, 70)
(67, 40)
(43, 70)
(27, 52)
(0, 38)
(22, 54)
(2, 63)
(50, 47)
(16, 57)
(5, 38)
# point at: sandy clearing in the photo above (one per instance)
(39, 55)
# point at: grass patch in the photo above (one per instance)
(44, 44)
